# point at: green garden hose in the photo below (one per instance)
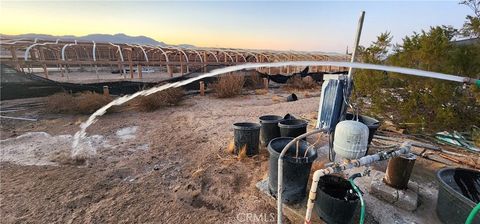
(472, 215)
(362, 204)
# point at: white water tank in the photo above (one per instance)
(351, 139)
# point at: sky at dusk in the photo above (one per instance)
(295, 25)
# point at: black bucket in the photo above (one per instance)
(458, 193)
(335, 203)
(246, 135)
(295, 170)
(292, 128)
(292, 97)
(270, 129)
(371, 123)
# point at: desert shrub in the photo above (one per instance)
(89, 102)
(431, 104)
(168, 97)
(81, 103)
(253, 81)
(60, 103)
(298, 83)
(228, 86)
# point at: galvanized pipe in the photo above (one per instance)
(280, 170)
(404, 149)
(355, 46)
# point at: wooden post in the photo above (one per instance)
(139, 68)
(106, 91)
(181, 65)
(205, 62)
(42, 57)
(169, 70)
(130, 63)
(265, 83)
(45, 70)
(202, 88)
(14, 57)
(61, 70)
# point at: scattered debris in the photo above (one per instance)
(18, 118)
(456, 139)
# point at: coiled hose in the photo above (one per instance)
(359, 193)
(474, 212)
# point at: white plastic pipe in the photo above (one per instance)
(404, 149)
(280, 171)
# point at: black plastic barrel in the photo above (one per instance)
(292, 127)
(371, 123)
(296, 170)
(269, 129)
(458, 193)
(335, 203)
(246, 135)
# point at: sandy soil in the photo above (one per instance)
(167, 166)
(173, 168)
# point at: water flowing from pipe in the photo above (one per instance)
(119, 101)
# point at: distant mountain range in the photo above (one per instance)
(116, 38)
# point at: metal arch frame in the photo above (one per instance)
(16, 40)
(119, 49)
(93, 51)
(265, 56)
(283, 54)
(64, 47)
(214, 55)
(133, 46)
(274, 56)
(226, 54)
(180, 50)
(27, 51)
(144, 53)
(250, 53)
(309, 55)
(184, 54)
(164, 53)
(237, 52)
(198, 53)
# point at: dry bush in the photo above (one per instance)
(242, 153)
(261, 91)
(297, 83)
(60, 103)
(168, 97)
(228, 86)
(89, 102)
(253, 81)
(231, 147)
(82, 103)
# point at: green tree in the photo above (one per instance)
(471, 27)
(432, 104)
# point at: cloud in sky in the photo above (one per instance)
(323, 25)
